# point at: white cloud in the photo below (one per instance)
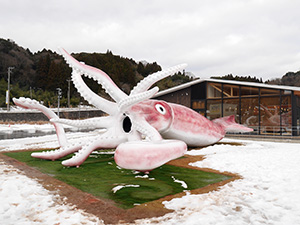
(243, 37)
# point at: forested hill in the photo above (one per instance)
(37, 75)
(239, 78)
(289, 79)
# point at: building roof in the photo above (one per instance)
(233, 82)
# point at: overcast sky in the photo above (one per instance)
(214, 37)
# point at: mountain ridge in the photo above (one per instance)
(39, 74)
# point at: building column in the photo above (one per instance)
(294, 114)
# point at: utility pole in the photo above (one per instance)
(68, 92)
(58, 99)
(30, 92)
(9, 70)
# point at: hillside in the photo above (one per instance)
(37, 75)
(290, 79)
(239, 78)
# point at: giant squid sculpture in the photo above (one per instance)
(146, 133)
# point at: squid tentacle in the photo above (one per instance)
(28, 103)
(131, 100)
(148, 81)
(110, 87)
(94, 99)
(96, 122)
(58, 153)
(142, 126)
(104, 141)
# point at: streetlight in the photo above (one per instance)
(79, 106)
(58, 99)
(9, 70)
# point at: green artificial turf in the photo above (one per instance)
(99, 174)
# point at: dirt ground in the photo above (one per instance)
(105, 209)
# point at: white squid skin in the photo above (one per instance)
(136, 126)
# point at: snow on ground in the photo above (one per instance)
(38, 142)
(30, 128)
(24, 201)
(267, 194)
(47, 141)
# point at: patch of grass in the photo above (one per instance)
(99, 174)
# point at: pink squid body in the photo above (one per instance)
(178, 122)
(193, 128)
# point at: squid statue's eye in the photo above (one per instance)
(160, 109)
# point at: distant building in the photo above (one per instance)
(268, 109)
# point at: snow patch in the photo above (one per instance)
(119, 187)
(183, 184)
(25, 201)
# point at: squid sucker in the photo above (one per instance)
(146, 133)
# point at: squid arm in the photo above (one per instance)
(58, 153)
(28, 103)
(107, 140)
(142, 126)
(148, 81)
(94, 99)
(131, 100)
(97, 122)
(110, 87)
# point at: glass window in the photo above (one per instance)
(297, 128)
(286, 115)
(274, 118)
(198, 105)
(202, 113)
(270, 115)
(214, 109)
(231, 107)
(290, 92)
(214, 90)
(198, 91)
(248, 91)
(266, 91)
(230, 91)
(249, 112)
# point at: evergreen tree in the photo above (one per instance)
(43, 67)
